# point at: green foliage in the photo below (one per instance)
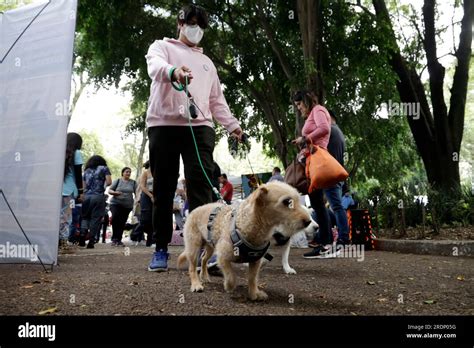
(91, 145)
(114, 36)
(12, 4)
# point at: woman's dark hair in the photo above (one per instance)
(146, 165)
(73, 143)
(95, 161)
(188, 12)
(308, 98)
(125, 168)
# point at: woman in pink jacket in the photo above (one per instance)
(316, 130)
(168, 119)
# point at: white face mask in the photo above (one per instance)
(193, 33)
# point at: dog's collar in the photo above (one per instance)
(243, 250)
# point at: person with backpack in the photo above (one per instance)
(121, 204)
(96, 176)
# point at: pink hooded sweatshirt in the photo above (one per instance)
(167, 106)
(317, 126)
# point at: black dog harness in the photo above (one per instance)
(243, 250)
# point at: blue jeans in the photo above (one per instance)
(76, 222)
(334, 197)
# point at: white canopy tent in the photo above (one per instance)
(36, 45)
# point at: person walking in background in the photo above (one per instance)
(121, 204)
(105, 222)
(316, 130)
(227, 190)
(179, 203)
(75, 226)
(276, 175)
(146, 204)
(171, 134)
(96, 177)
(72, 186)
(337, 147)
(347, 200)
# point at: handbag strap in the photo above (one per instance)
(312, 148)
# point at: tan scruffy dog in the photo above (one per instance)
(255, 218)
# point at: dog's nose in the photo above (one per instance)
(306, 223)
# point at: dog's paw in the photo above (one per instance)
(259, 296)
(290, 270)
(205, 278)
(229, 286)
(197, 288)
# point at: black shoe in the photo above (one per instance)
(90, 245)
(215, 271)
(82, 241)
(316, 252)
(341, 242)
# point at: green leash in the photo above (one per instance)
(180, 87)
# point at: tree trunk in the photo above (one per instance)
(77, 94)
(437, 133)
(310, 19)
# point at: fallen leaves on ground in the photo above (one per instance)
(48, 311)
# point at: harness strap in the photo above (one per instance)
(210, 223)
(246, 251)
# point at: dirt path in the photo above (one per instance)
(105, 281)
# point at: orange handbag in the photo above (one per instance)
(323, 170)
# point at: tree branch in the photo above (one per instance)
(457, 103)
(275, 47)
(436, 71)
(410, 88)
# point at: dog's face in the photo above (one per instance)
(279, 203)
(282, 235)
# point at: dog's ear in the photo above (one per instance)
(261, 196)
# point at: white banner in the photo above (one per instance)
(36, 45)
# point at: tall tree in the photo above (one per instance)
(438, 131)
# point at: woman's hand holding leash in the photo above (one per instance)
(180, 75)
(238, 134)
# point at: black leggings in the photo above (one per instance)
(324, 236)
(166, 144)
(119, 219)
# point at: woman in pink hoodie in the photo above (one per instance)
(169, 118)
(316, 130)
